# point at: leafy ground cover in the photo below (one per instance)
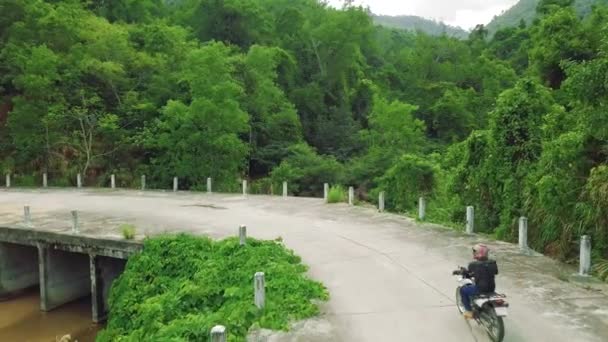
(180, 286)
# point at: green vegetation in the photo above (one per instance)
(179, 287)
(526, 10)
(293, 90)
(128, 231)
(336, 194)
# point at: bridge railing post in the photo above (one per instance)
(284, 189)
(421, 208)
(470, 220)
(218, 333)
(27, 216)
(75, 223)
(325, 192)
(113, 181)
(45, 180)
(259, 287)
(78, 181)
(209, 185)
(242, 235)
(351, 195)
(8, 180)
(175, 184)
(585, 256)
(381, 201)
(143, 182)
(244, 188)
(523, 234)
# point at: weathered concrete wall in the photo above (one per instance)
(64, 277)
(18, 268)
(104, 271)
(115, 248)
(67, 266)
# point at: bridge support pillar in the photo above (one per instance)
(18, 268)
(103, 271)
(64, 276)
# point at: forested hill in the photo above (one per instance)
(526, 10)
(415, 23)
(292, 90)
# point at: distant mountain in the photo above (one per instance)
(526, 10)
(414, 23)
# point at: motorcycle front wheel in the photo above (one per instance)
(492, 323)
(459, 300)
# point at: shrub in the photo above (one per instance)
(179, 287)
(410, 178)
(306, 171)
(27, 181)
(263, 186)
(128, 231)
(337, 194)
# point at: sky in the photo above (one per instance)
(463, 13)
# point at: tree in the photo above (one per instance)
(274, 121)
(201, 139)
(545, 7)
(558, 37)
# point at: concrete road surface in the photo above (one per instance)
(389, 277)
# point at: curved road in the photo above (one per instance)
(389, 277)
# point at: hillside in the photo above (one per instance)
(415, 23)
(526, 9)
(274, 91)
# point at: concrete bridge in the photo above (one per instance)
(389, 276)
(65, 266)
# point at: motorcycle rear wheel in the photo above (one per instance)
(492, 323)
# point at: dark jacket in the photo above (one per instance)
(484, 273)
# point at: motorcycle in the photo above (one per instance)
(488, 309)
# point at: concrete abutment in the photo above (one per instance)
(18, 268)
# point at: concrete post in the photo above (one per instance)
(245, 187)
(421, 208)
(470, 220)
(284, 189)
(113, 181)
(45, 180)
(75, 227)
(8, 180)
(351, 196)
(381, 201)
(243, 235)
(79, 181)
(523, 234)
(175, 184)
(143, 182)
(259, 288)
(218, 333)
(27, 216)
(325, 192)
(585, 256)
(209, 185)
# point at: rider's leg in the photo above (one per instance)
(466, 292)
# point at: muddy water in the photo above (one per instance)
(22, 321)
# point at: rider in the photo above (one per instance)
(483, 270)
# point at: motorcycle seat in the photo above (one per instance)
(490, 295)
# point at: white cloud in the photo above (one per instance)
(463, 13)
